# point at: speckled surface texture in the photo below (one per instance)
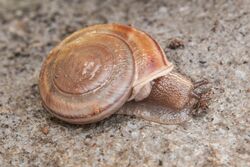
(216, 36)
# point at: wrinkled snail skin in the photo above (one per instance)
(172, 90)
(92, 73)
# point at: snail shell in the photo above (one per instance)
(94, 71)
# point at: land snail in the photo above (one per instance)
(108, 68)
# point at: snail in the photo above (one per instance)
(108, 68)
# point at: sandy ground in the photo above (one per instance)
(216, 36)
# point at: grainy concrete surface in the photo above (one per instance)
(216, 34)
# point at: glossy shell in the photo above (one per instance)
(94, 71)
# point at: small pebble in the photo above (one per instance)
(175, 43)
(45, 130)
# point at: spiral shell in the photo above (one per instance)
(94, 71)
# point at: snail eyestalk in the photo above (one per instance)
(200, 83)
(195, 95)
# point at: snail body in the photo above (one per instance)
(92, 73)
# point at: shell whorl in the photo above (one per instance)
(87, 79)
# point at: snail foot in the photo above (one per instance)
(155, 113)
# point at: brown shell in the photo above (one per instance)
(94, 71)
